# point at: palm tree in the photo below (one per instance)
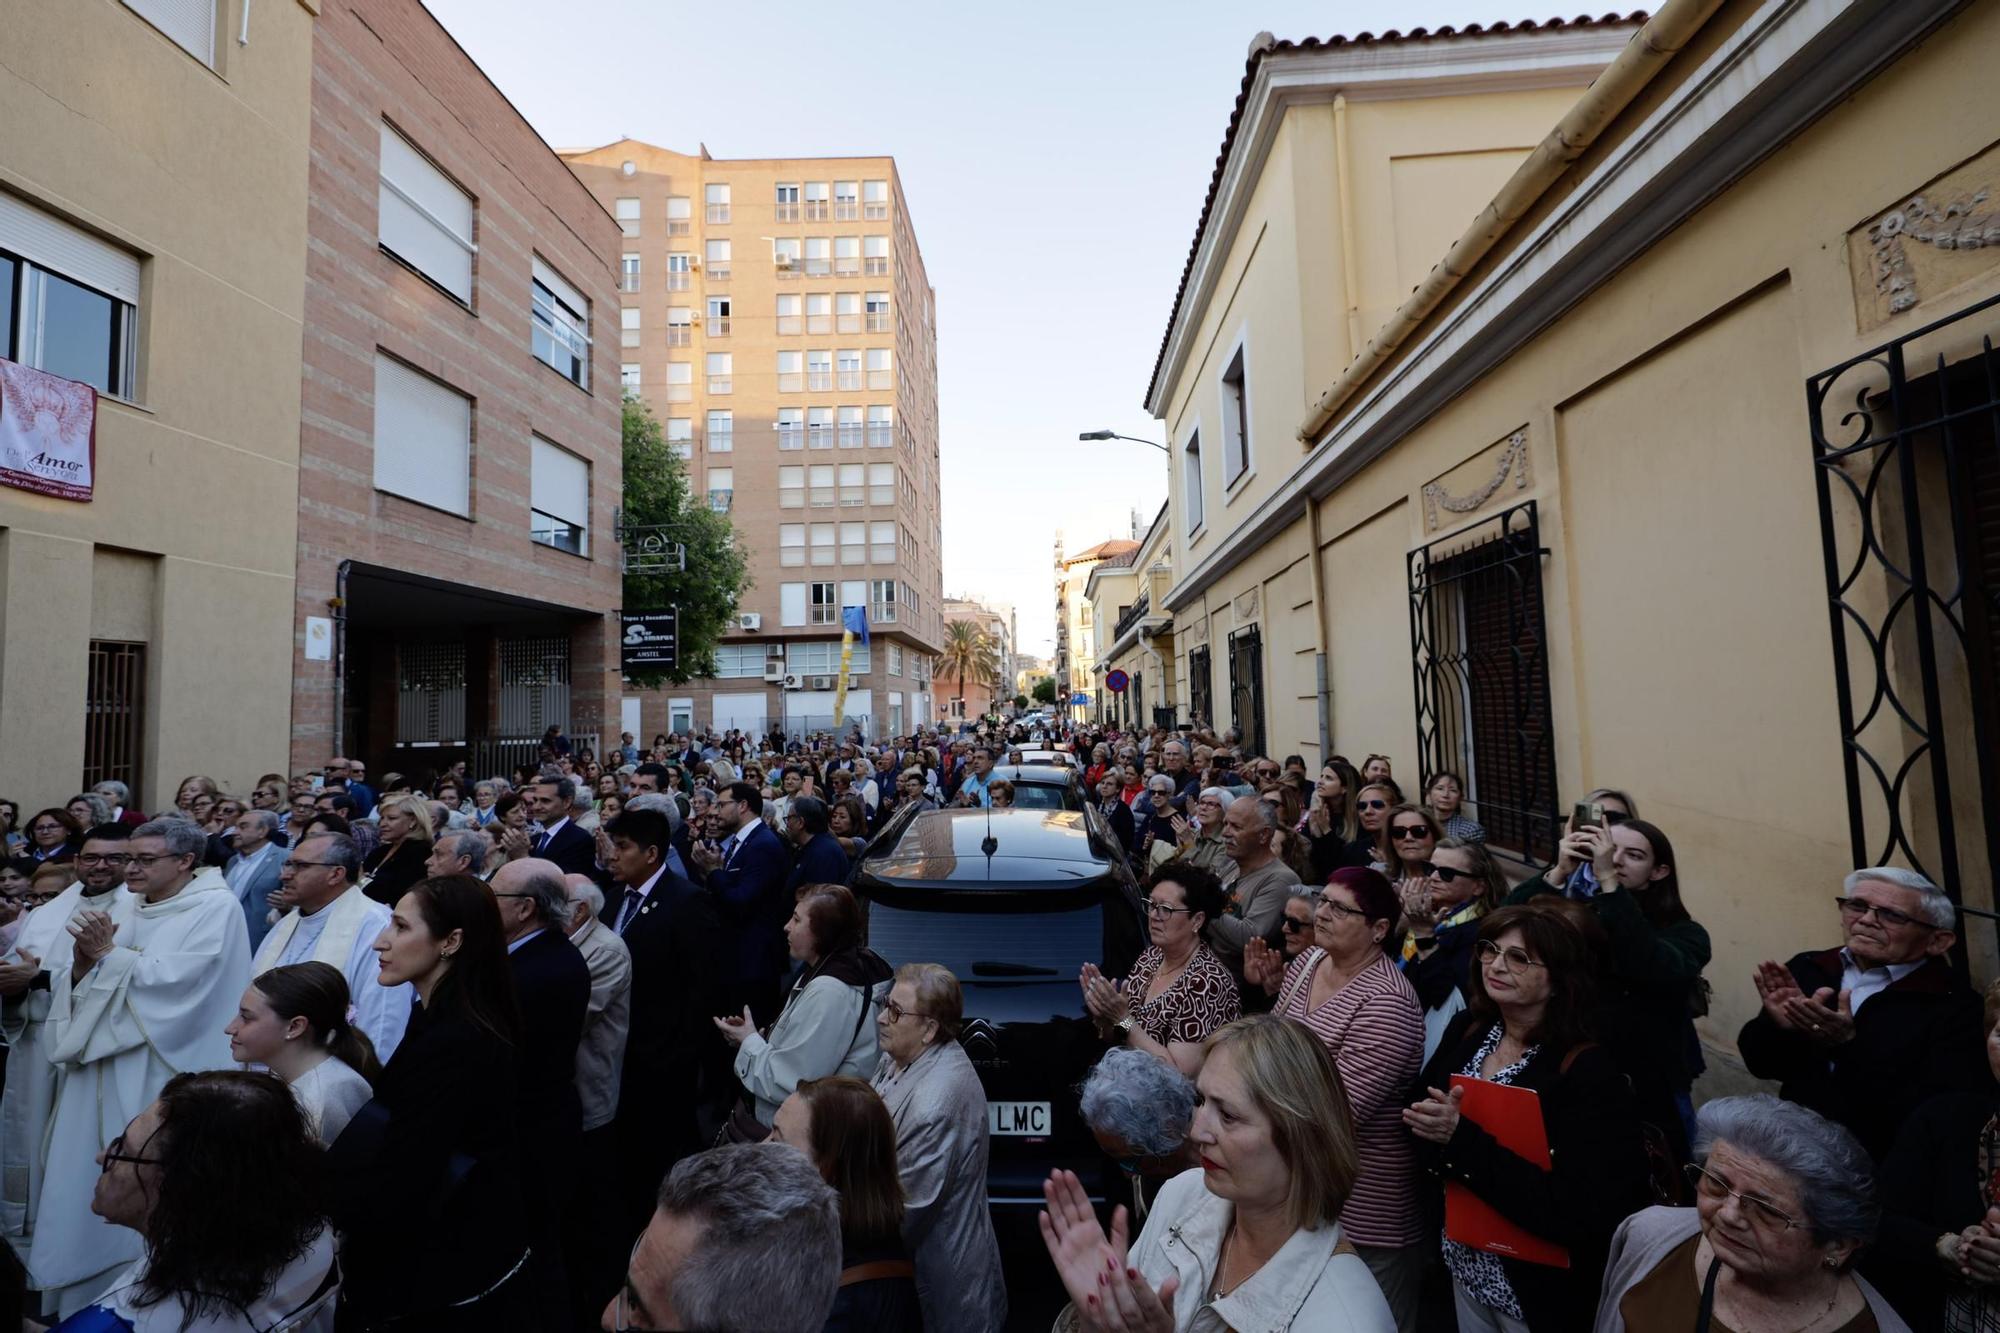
(968, 654)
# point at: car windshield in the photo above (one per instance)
(1028, 796)
(989, 945)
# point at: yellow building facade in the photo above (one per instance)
(1075, 667)
(1133, 631)
(152, 242)
(1675, 478)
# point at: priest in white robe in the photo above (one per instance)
(332, 921)
(130, 1006)
(24, 1012)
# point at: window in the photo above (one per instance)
(680, 436)
(717, 199)
(423, 438)
(785, 256)
(718, 317)
(847, 369)
(559, 325)
(680, 211)
(628, 376)
(846, 256)
(721, 369)
(846, 201)
(559, 483)
(878, 312)
(818, 250)
(882, 610)
(819, 478)
(791, 545)
(853, 543)
(822, 543)
(847, 312)
(721, 488)
(77, 300)
(628, 327)
(1191, 497)
(791, 488)
(721, 431)
(1201, 705)
(850, 428)
(875, 254)
(881, 483)
(1246, 686)
(739, 661)
(717, 262)
(825, 606)
(882, 537)
(679, 264)
(819, 370)
(680, 381)
(114, 708)
(1235, 421)
(880, 361)
(423, 218)
(627, 212)
(791, 604)
(787, 209)
(854, 491)
(791, 428)
(875, 200)
(816, 197)
(791, 376)
(789, 319)
(819, 314)
(822, 657)
(819, 428)
(189, 24)
(881, 427)
(628, 273)
(895, 649)
(680, 325)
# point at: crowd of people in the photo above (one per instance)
(602, 1043)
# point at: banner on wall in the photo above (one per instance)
(651, 641)
(48, 432)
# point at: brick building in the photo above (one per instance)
(457, 580)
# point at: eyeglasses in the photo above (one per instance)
(46, 827)
(1292, 925)
(1410, 832)
(114, 1151)
(94, 859)
(897, 1013)
(1371, 805)
(1517, 957)
(146, 862)
(1341, 908)
(620, 1322)
(1709, 1185)
(1888, 916)
(1161, 911)
(293, 863)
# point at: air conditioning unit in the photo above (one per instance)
(774, 670)
(750, 620)
(795, 681)
(822, 682)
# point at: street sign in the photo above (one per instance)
(1079, 700)
(652, 640)
(1116, 681)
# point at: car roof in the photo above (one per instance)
(1045, 847)
(1035, 774)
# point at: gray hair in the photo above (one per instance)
(341, 851)
(1138, 1098)
(1933, 906)
(1220, 795)
(475, 845)
(117, 788)
(1833, 1172)
(100, 809)
(1174, 745)
(182, 836)
(768, 1260)
(662, 802)
(547, 891)
(266, 820)
(582, 889)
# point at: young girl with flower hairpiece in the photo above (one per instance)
(297, 1022)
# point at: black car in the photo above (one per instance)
(1014, 902)
(1042, 786)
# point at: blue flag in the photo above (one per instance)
(855, 620)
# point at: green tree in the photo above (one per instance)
(1020, 701)
(657, 494)
(1045, 690)
(968, 654)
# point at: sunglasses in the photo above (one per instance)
(1371, 805)
(1292, 925)
(1410, 832)
(1445, 874)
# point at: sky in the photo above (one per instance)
(1055, 158)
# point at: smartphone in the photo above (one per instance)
(1588, 814)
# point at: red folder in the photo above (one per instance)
(1513, 1116)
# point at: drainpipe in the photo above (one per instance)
(1658, 42)
(339, 608)
(1350, 281)
(1322, 690)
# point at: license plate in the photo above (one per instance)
(1030, 1119)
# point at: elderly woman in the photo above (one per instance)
(1528, 1026)
(935, 1097)
(1199, 841)
(1253, 1239)
(1111, 804)
(1179, 991)
(1783, 1200)
(1349, 994)
(1140, 1110)
(823, 1028)
(89, 810)
(484, 797)
(398, 860)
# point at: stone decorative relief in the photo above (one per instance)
(1938, 237)
(1196, 631)
(1513, 463)
(1245, 607)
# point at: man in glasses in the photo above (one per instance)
(1867, 1032)
(328, 919)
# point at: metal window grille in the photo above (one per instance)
(430, 693)
(1479, 658)
(1246, 687)
(1906, 453)
(534, 686)
(114, 714)
(1201, 699)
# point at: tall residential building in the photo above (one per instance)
(973, 698)
(777, 318)
(1076, 670)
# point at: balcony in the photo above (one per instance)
(719, 272)
(878, 322)
(875, 265)
(718, 212)
(876, 212)
(815, 210)
(718, 326)
(881, 379)
(849, 379)
(790, 324)
(790, 437)
(628, 282)
(791, 382)
(786, 213)
(850, 436)
(846, 267)
(678, 226)
(847, 324)
(819, 323)
(680, 335)
(720, 384)
(846, 210)
(1130, 620)
(819, 381)
(818, 268)
(881, 436)
(678, 281)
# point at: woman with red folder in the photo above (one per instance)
(1533, 1255)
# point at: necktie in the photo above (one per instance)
(541, 841)
(629, 908)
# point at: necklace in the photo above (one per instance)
(1832, 1296)
(1222, 1267)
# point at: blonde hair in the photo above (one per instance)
(1294, 1082)
(417, 807)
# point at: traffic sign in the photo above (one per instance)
(1079, 700)
(1116, 681)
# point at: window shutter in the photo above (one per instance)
(423, 438)
(425, 219)
(190, 23)
(55, 245)
(792, 603)
(559, 483)
(562, 291)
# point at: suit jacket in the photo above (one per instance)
(1913, 1040)
(676, 994)
(255, 889)
(606, 1021)
(749, 895)
(571, 848)
(552, 982)
(820, 862)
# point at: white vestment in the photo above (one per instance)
(31, 1079)
(343, 934)
(155, 1006)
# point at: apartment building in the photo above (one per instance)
(1079, 683)
(150, 196)
(460, 461)
(776, 316)
(973, 697)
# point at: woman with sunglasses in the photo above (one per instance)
(1528, 1025)
(1441, 923)
(1179, 991)
(1409, 836)
(1356, 1001)
(1783, 1200)
(1371, 816)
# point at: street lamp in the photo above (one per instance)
(1114, 435)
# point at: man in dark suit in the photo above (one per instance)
(549, 800)
(552, 983)
(746, 878)
(676, 941)
(820, 860)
